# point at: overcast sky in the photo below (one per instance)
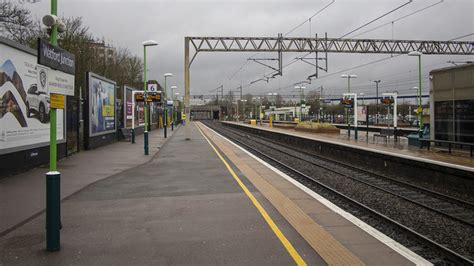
(129, 23)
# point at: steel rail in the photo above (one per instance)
(464, 203)
(469, 223)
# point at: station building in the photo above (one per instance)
(452, 103)
(287, 112)
(205, 112)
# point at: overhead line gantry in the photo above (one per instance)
(312, 45)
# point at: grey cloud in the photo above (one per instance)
(128, 23)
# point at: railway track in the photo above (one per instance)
(297, 163)
(451, 207)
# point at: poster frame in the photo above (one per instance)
(132, 90)
(91, 75)
(25, 49)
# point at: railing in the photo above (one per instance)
(450, 144)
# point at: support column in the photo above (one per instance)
(187, 135)
(53, 177)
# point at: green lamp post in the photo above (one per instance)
(165, 104)
(145, 136)
(420, 107)
(53, 177)
(172, 107)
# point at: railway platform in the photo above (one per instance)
(202, 202)
(396, 149)
(23, 195)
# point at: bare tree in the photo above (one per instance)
(279, 101)
(16, 22)
(313, 100)
(92, 54)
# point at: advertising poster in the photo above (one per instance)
(134, 111)
(154, 115)
(140, 114)
(128, 105)
(362, 113)
(101, 105)
(24, 102)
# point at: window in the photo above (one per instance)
(464, 121)
(444, 120)
(454, 121)
(32, 89)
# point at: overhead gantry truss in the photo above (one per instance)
(312, 45)
(330, 45)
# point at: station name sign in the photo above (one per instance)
(151, 97)
(55, 57)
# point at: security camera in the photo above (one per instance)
(50, 20)
(44, 27)
(61, 26)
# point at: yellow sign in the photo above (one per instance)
(419, 110)
(108, 110)
(57, 101)
(152, 97)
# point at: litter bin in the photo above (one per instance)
(413, 140)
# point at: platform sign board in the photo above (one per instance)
(152, 88)
(154, 97)
(151, 97)
(24, 100)
(56, 58)
(347, 102)
(60, 82)
(59, 69)
(101, 105)
(387, 100)
(139, 97)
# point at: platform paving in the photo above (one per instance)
(23, 196)
(181, 208)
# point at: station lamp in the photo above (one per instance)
(172, 106)
(145, 134)
(348, 77)
(420, 107)
(165, 104)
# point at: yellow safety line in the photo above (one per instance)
(289, 247)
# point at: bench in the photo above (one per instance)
(126, 134)
(450, 144)
(385, 133)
